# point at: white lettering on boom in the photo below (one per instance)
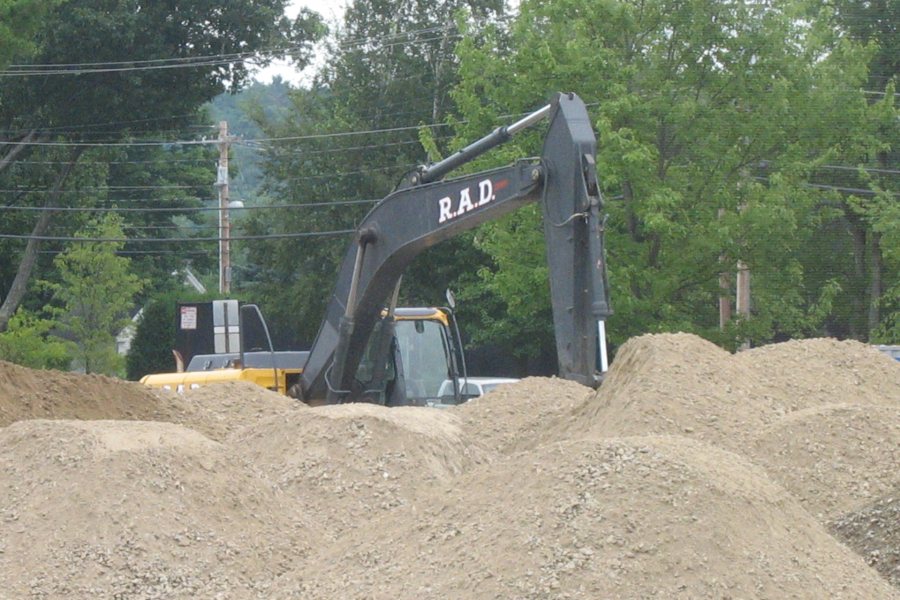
(464, 204)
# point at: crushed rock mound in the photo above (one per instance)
(514, 416)
(137, 510)
(46, 394)
(612, 518)
(808, 373)
(691, 473)
(677, 384)
(680, 384)
(219, 410)
(346, 463)
(835, 458)
(874, 532)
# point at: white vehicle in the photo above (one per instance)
(892, 351)
(471, 387)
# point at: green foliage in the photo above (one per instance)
(106, 106)
(711, 117)
(93, 31)
(522, 324)
(95, 295)
(19, 19)
(28, 342)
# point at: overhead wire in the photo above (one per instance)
(130, 66)
(238, 238)
(113, 162)
(211, 60)
(837, 188)
(154, 252)
(115, 209)
(105, 188)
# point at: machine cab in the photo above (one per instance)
(427, 353)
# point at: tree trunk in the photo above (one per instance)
(875, 283)
(857, 290)
(18, 148)
(29, 258)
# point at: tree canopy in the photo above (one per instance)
(713, 119)
(106, 79)
(95, 295)
(737, 142)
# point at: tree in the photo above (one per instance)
(689, 99)
(19, 19)
(28, 342)
(96, 295)
(862, 166)
(204, 47)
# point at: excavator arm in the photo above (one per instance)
(426, 210)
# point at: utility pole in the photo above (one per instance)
(742, 303)
(724, 288)
(224, 222)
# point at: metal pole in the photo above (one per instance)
(601, 337)
(224, 222)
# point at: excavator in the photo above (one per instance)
(369, 350)
(356, 357)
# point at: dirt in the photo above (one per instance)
(691, 473)
(874, 532)
(34, 394)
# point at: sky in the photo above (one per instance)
(331, 11)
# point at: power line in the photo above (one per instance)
(320, 136)
(109, 200)
(849, 190)
(250, 141)
(143, 252)
(270, 236)
(237, 141)
(154, 62)
(150, 61)
(115, 144)
(210, 60)
(116, 201)
(129, 122)
(167, 227)
(857, 169)
(837, 188)
(200, 161)
(138, 65)
(116, 209)
(113, 162)
(109, 187)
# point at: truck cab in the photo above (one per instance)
(430, 353)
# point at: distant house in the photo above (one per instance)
(123, 339)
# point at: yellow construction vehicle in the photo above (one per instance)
(427, 340)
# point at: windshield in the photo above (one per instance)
(423, 351)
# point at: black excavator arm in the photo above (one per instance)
(426, 210)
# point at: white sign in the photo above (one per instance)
(189, 317)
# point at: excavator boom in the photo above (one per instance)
(426, 210)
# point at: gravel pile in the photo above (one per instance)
(692, 473)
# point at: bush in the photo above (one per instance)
(27, 342)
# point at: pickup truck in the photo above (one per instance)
(471, 387)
